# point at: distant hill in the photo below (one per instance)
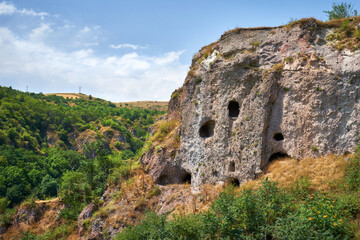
(151, 105)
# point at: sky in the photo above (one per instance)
(123, 50)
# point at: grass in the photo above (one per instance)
(278, 68)
(151, 105)
(175, 95)
(321, 171)
(164, 135)
(198, 80)
(255, 43)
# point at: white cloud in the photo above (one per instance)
(58, 56)
(117, 78)
(85, 30)
(7, 9)
(40, 32)
(10, 9)
(127, 45)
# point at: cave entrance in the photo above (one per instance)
(234, 109)
(207, 129)
(278, 156)
(232, 167)
(234, 182)
(163, 180)
(273, 157)
(186, 178)
(278, 137)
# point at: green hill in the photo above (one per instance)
(48, 142)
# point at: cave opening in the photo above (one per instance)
(234, 182)
(232, 167)
(187, 178)
(278, 137)
(207, 129)
(234, 109)
(273, 157)
(163, 180)
(277, 156)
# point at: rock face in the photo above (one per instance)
(260, 93)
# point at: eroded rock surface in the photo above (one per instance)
(268, 92)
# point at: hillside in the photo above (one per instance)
(150, 105)
(261, 142)
(48, 142)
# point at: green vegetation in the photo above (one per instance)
(297, 211)
(347, 36)
(198, 80)
(314, 148)
(341, 10)
(255, 43)
(38, 138)
(269, 212)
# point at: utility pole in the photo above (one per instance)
(27, 88)
(79, 89)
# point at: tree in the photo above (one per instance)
(48, 186)
(341, 10)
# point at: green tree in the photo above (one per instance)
(48, 186)
(341, 10)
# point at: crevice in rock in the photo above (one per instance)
(232, 166)
(207, 129)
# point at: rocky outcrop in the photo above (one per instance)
(260, 93)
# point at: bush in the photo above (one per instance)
(341, 10)
(352, 171)
(266, 213)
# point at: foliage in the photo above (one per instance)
(269, 212)
(37, 142)
(353, 171)
(341, 10)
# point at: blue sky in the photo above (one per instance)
(123, 50)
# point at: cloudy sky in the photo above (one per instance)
(123, 50)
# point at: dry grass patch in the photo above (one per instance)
(151, 105)
(321, 172)
(165, 134)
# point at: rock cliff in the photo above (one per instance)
(261, 93)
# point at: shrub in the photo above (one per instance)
(174, 95)
(352, 171)
(314, 148)
(198, 80)
(266, 213)
(341, 10)
(255, 43)
(278, 68)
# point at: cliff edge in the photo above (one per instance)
(257, 94)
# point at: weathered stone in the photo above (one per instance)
(293, 94)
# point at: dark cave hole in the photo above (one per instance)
(234, 181)
(187, 178)
(234, 109)
(207, 129)
(278, 137)
(232, 167)
(163, 180)
(277, 156)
